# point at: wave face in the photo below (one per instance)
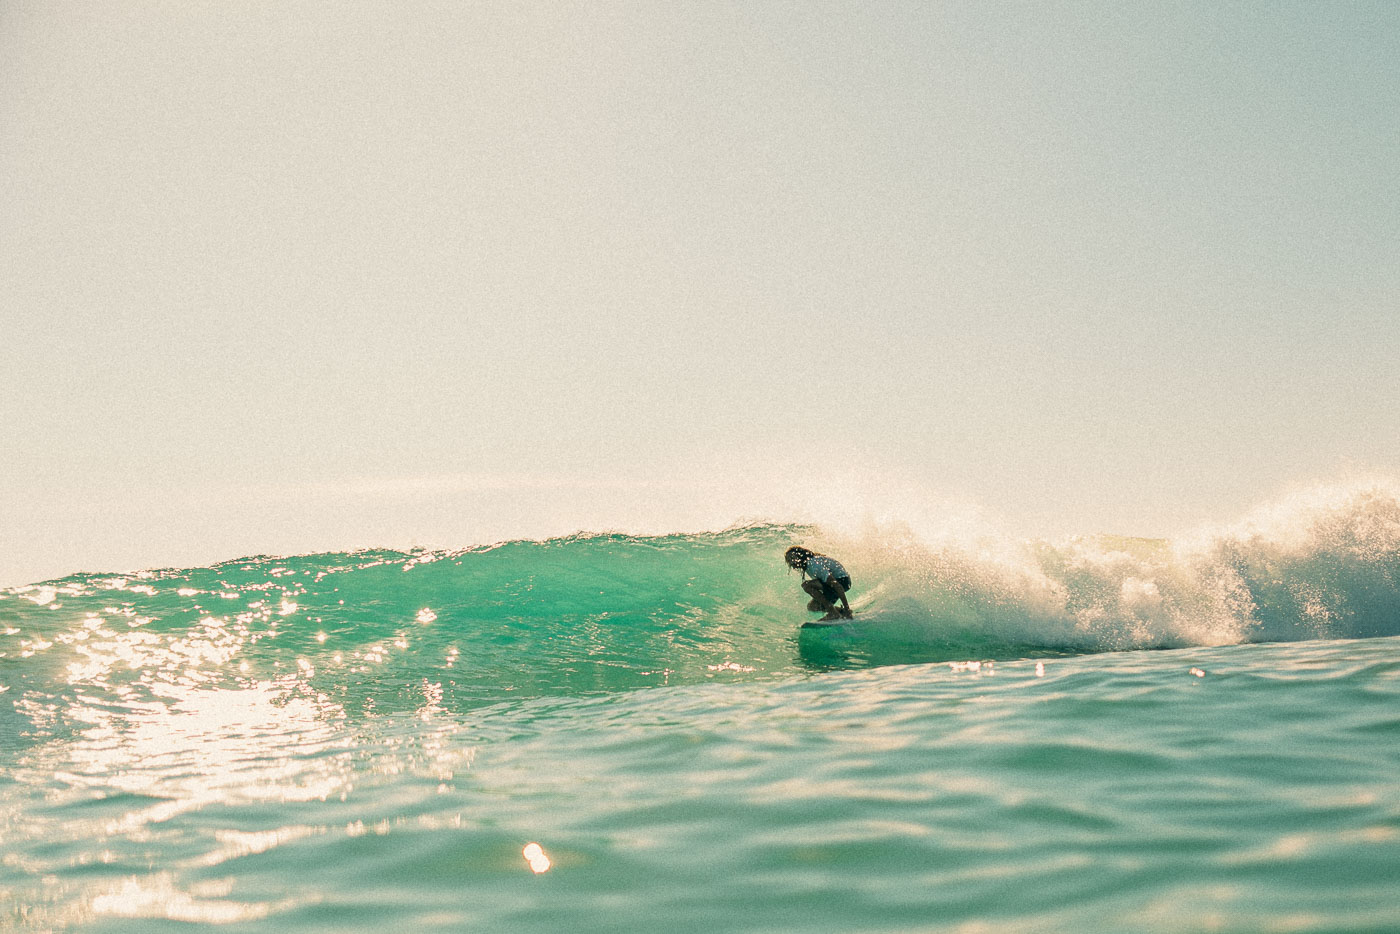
(370, 629)
(604, 613)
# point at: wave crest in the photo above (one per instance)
(1320, 565)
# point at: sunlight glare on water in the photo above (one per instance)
(198, 745)
(535, 856)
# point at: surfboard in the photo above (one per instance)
(826, 623)
(859, 606)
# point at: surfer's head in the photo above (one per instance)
(798, 557)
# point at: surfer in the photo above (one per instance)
(829, 582)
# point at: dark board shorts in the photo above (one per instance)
(829, 590)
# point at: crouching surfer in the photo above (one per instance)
(829, 581)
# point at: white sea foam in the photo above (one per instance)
(1319, 563)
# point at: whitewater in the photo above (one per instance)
(624, 732)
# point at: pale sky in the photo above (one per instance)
(317, 275)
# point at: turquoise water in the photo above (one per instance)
(620, 733)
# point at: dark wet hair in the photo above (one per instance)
(797, 557)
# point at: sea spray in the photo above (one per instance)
(1324, 566)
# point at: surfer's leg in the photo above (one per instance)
(814, 590)
(832, 593)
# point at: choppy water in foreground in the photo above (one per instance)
(611, 733)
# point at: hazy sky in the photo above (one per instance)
(311, 275)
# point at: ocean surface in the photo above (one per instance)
(618, 733)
